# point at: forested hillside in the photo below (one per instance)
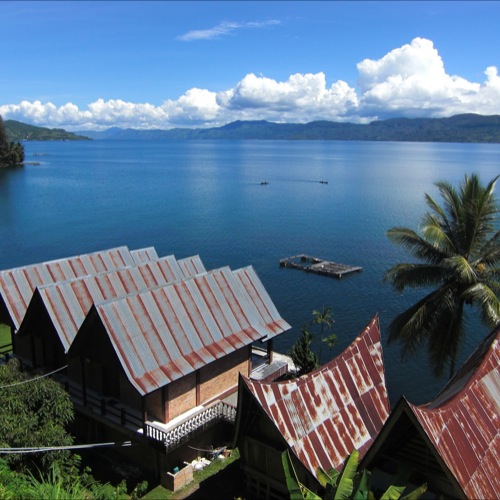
(18, 131)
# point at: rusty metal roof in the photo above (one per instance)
(191, 266)
(162, 334)
(144, 255)
(341, 406)
(463, 422)
(67, 303)
(17, 285)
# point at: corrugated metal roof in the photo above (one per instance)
(463, 422)
(270, 316)
(163, 334)
(341, 406)
(68, 302)
(17, 285)
(144, 255)
(191, 266)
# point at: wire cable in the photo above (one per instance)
(40, 449)
(33, 379)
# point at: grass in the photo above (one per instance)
(5, 338)
(202, 483)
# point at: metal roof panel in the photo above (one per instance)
(330, 398)
(463, 422)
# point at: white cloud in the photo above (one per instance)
(411, 81)
(223, 29)
(408, 81)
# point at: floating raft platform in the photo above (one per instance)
(318, 266)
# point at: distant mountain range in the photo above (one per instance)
(459, 128)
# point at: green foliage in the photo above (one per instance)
(303, 357)
(58, 484)
(33, 414)
(5, 339)
(18, 131)
(325, 320)
(11, 152)
(347, 484)
(457, 251)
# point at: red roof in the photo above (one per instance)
(326, 414)
(463, 422)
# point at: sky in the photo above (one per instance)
(91, 65)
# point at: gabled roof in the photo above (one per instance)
(463, 422)
(163, 334)
(326, 414)
(17, 285)
(68, 302)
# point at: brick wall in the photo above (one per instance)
(222, 375)
(154, 406)
(181, 395)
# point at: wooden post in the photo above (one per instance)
(270, 344)
(198, 389)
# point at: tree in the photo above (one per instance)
(33, 413)
(459, 250)
(303, 357)
(11, 152)
(325, 320)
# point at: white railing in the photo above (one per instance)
(208, 415)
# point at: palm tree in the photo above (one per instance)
(459, 250)
(325, 320)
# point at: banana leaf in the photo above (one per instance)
(362, 489)
(345, 485)
(416, 493)
(297, 490)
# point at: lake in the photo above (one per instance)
(206, 198)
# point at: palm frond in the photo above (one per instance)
(415, 244)
(449, 331)
(489, 253)
(459, 252)
(413, 326)
(461, 269)
(402, 276)
(485, 298)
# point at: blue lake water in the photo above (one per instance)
(206, 198)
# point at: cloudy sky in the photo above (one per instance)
(91, 65)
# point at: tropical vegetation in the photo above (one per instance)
(457, 253)
(348, 483)
(11, 152)
(34, 413)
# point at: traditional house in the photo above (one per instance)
(453, 442)
(167, 357)
(154, 346)
(56, 311)
(320, 417)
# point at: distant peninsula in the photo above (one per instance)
(459, 128)
(18, 131)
